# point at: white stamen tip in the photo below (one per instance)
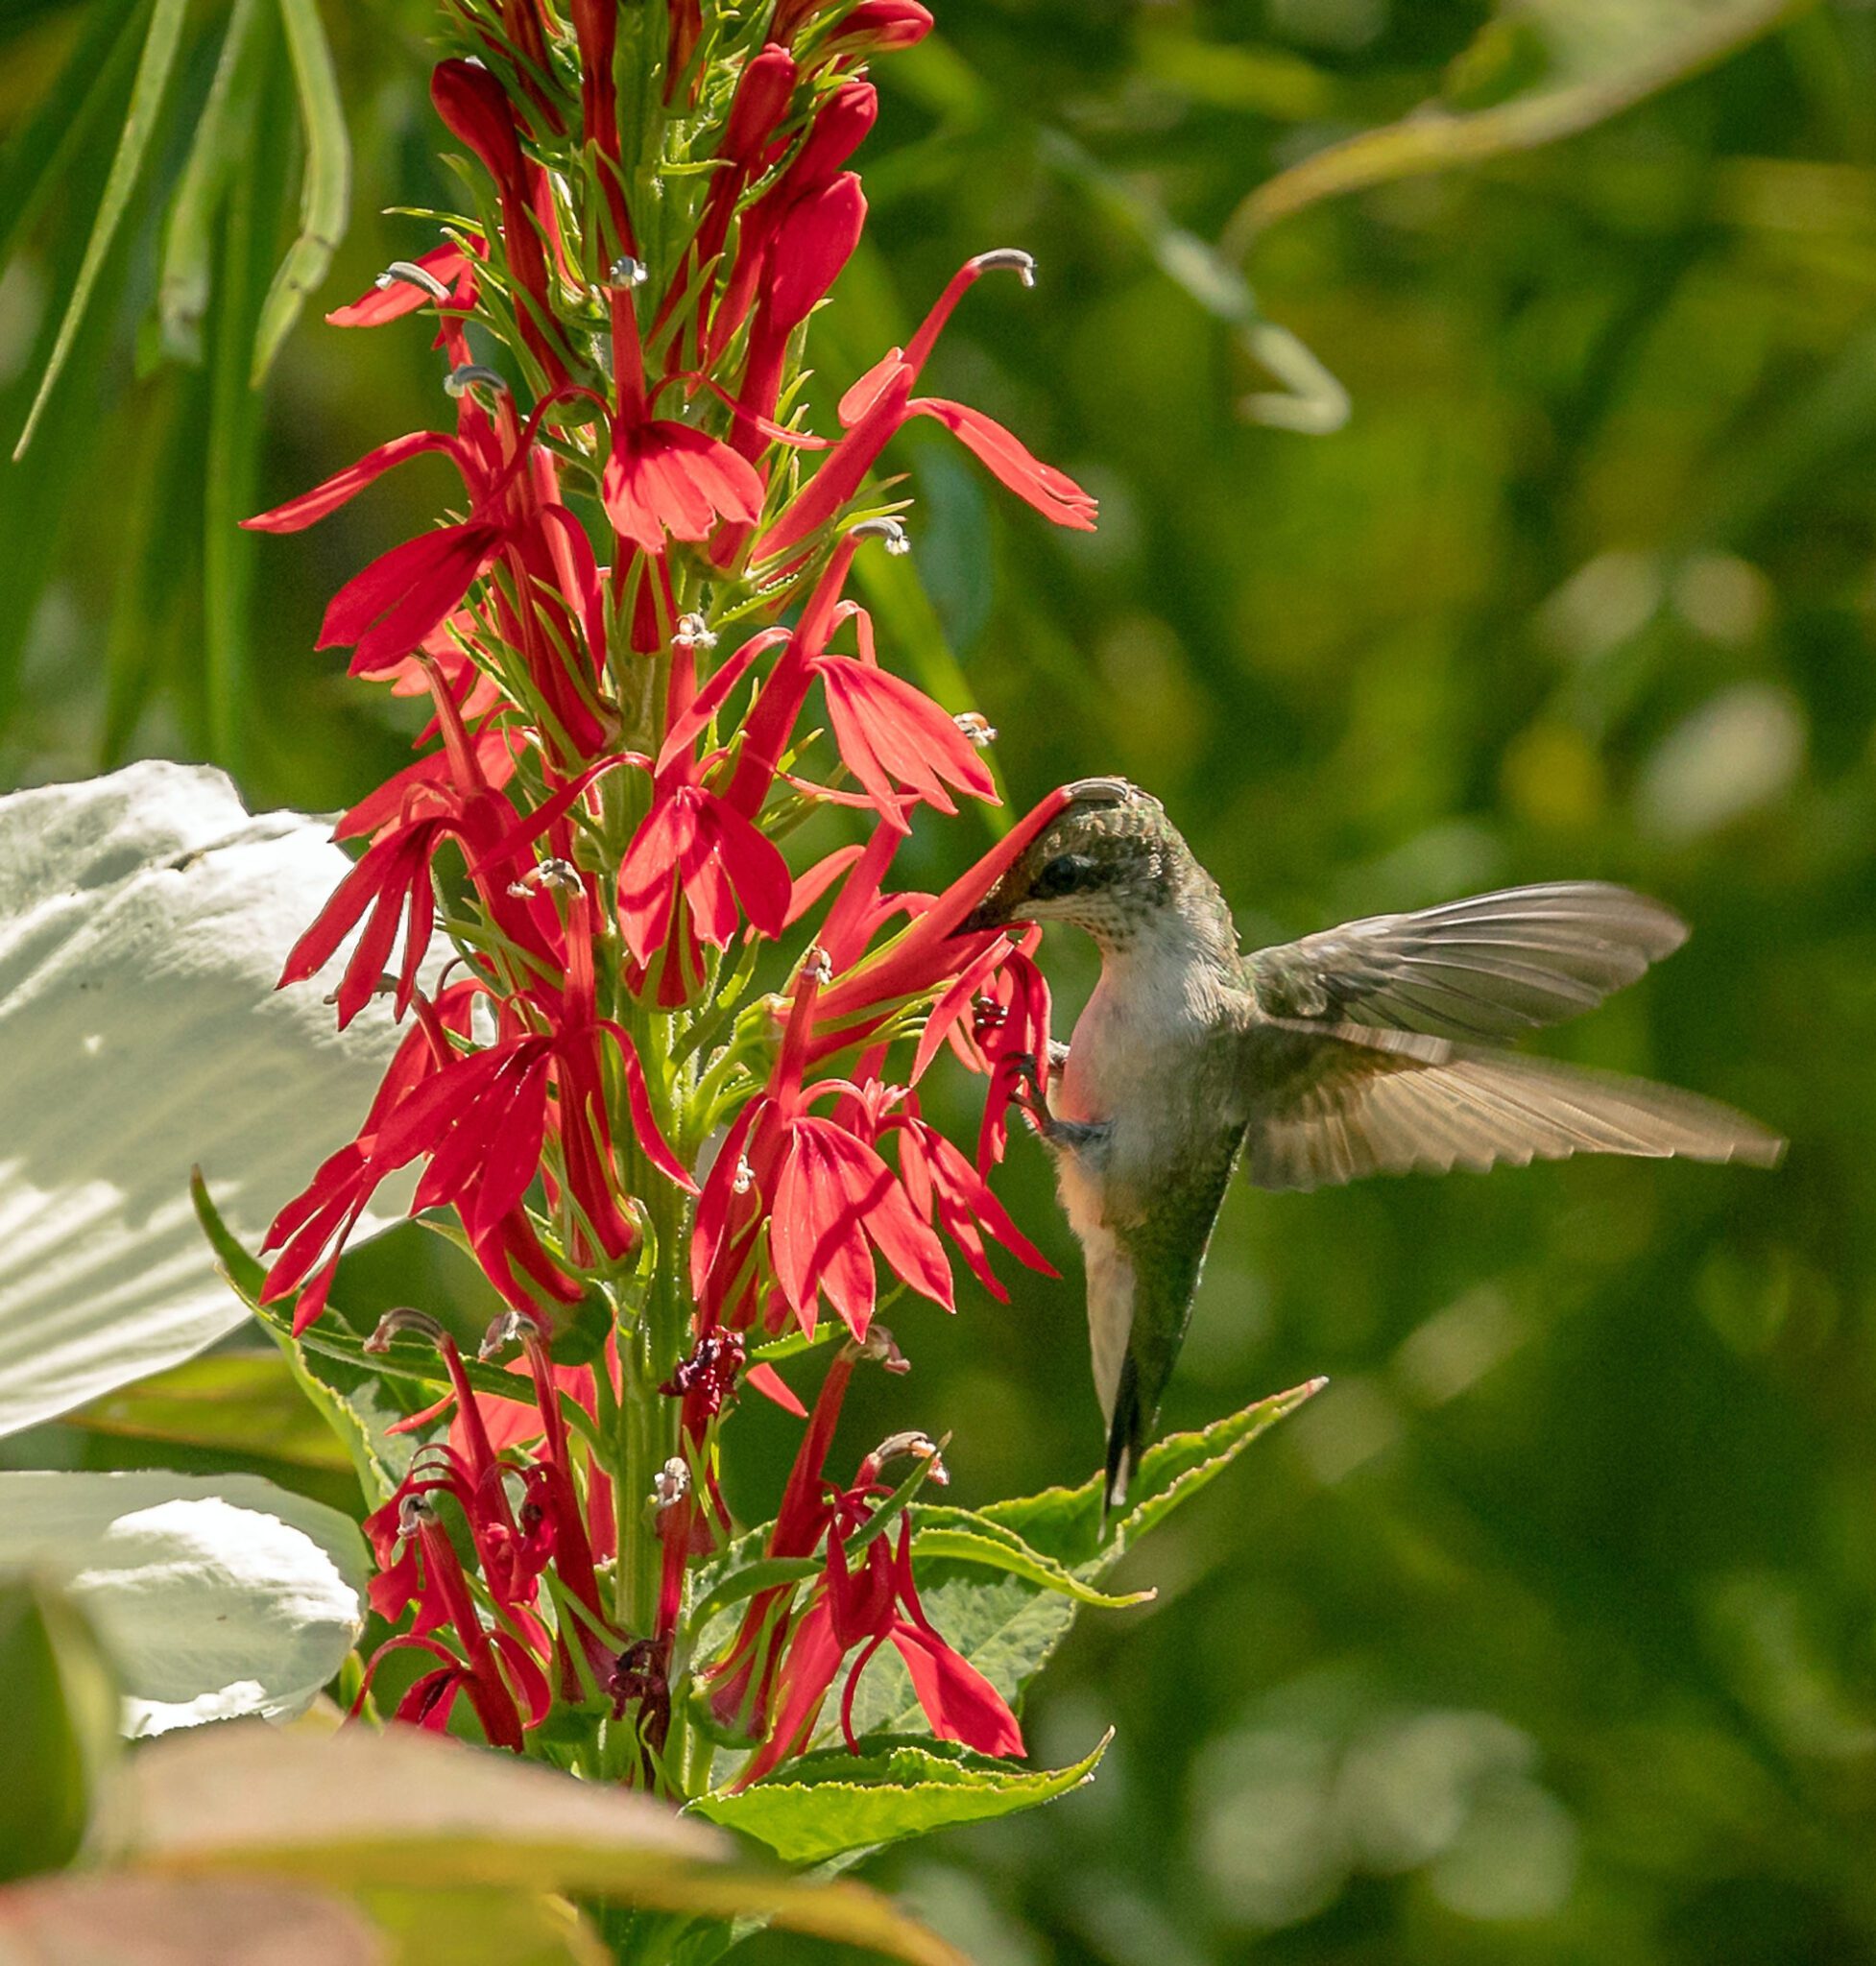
(472, 375)
(509, 1329)
(1007, 258)
(693, 632)
(887, 529)
(671, 1483)
(980, 729)
(628, 273)
(407, 273)
(745, 1175)
(817, 966)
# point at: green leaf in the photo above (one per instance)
(939, 1531)
(354, 1402)
(1066, 1522)
(59, 1719)
(224, 132)
(325, 192)
(148, 93)
(40, 156)
(249, 1403)
(829, 1803)
(357, 1811)
(214, 1597)
(1010, 1626)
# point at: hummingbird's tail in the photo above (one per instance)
(1126, 1434)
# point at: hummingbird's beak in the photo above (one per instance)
(991, 912)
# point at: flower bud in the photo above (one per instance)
(763, 98)
(883, 26)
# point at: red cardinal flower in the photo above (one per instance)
(866, 1606)
(661, 476)
(881, 402)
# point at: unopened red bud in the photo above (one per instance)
(843, 122)
(763, 98)
(882, 25)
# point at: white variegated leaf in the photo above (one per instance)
(144, 919)
(216, 1596)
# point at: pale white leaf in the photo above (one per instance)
(216, 1596)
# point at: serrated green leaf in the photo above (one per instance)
(326, 189)
(829, 1803)
(148, 94)
(1008, 1628)
(942, 1532)
(1065, 1523)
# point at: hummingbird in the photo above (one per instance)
(1364, 1049)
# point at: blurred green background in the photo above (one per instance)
(1546, 1633)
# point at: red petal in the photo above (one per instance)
(346, 485)
(388, 607)
(814, 242)
(755, 864)
(1053, 494)
(958, 1700)
(766, 1381)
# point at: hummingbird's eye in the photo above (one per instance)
(1062, 875)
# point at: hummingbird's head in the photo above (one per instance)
(1110, 862)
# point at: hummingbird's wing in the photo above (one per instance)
(1483, 968)
(1334, 1103)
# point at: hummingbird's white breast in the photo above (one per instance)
(1131, 1072)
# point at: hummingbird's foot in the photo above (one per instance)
(1073, 1133)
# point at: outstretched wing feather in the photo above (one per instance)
(1485, 967)
(1332, 1107)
